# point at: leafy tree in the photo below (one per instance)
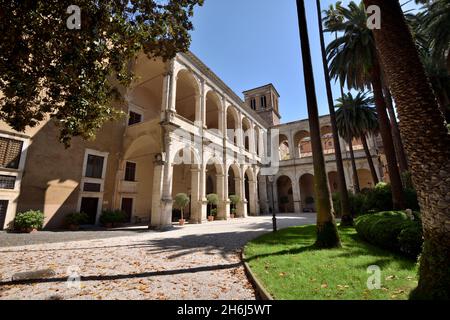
(427, 142)
(353, 59)
(71, 75)
(181, 201)
(356, 118)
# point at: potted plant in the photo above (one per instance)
(111, 218)
(213, 200)
(309, 201)
(234, 201)
(73, 220)
(29, 221)
(181, 202)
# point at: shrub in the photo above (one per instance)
(378, 199)
(356, 202)
(213, 212)
(234, 200)
(76, 218)
(112, 216)
(392, 230)
(29, 219)
(213, 199)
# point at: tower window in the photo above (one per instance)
(253, 104)
(263, 102)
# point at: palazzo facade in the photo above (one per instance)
(185, 131)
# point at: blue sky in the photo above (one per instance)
(249, 43)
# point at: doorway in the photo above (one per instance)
(3, 210)
(90, 207)
(127, 207)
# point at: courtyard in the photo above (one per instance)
(190, 262)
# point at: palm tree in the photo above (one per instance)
(346, 219)
(436, 24)
(353, 57)
(356, 118)
(427, 142)
(327, 235)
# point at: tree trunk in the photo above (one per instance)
(327, 235)
(342, 185)
(398, 198)
(355, 172)
(398, 144)
(370, 161)
(427, 142)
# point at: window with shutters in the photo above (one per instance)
(10, 151)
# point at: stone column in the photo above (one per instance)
(223, 198)
(158, 174)
(296, 196)
(203, 202)
(292, 153)
(241, 210)
(200, 108)
(166, 200)
(253, 197)
(195, 196)
(263, 196)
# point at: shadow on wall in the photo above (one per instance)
(52, 174)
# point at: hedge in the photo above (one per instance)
(392, 230)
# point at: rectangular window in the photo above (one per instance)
(253, 104)
(130, 171)
(94, 166)
(10, 151)
(263, 102)
(7, 182)
(134, 118)
(91, 187)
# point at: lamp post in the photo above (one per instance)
(274, 217)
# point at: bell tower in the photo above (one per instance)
(264, 101)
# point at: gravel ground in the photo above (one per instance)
(190, 262)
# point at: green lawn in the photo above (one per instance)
(290, 267)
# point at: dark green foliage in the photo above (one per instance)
(112, 216)
(29, 219)
(38, 54)
(392, 230)
(76, 218)
(376, 200)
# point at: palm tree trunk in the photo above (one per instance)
(370, 161)
(327, 235)
(355, 172)
(398, 198)
(398, 144)
(427, 142)
(342, 185)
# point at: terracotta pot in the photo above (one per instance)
(181, 222)
(232, 216)
(210, 218)
(28, 230)
(109, 225)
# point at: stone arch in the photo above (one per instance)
(333, 181)
(326, 133)
(302, 141)
(283, 147)
(232, 124)
(187, 95)
(307, 192)
(186, 154)
(246, 133)
(365, 179)
(212, 110)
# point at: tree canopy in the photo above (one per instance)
(49, 69)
